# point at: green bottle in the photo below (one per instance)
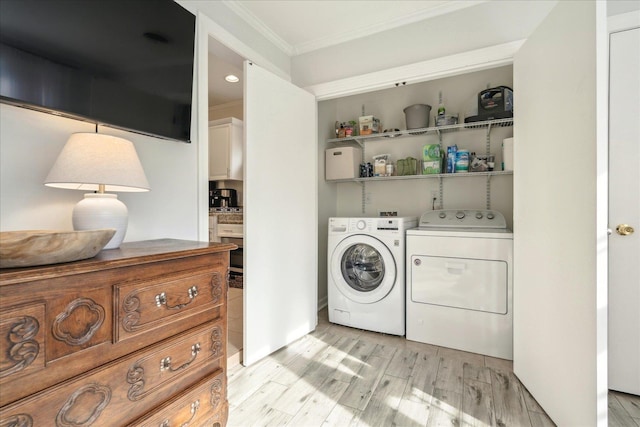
(440, 106)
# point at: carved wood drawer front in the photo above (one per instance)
(204, 404)
(148, 306)
(124, 390)
(21, 342)
(77, 321)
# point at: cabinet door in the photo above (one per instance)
(559, 342)
(219, 151)
(236, 149)
(281, 213)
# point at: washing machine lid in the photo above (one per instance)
(363, 269)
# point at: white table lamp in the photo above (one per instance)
(99, 163)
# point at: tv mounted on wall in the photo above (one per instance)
(121, 63)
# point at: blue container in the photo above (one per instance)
(462, 161)
(451, 158)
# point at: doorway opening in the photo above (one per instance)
(226, 102)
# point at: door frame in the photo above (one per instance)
(369, 82)
(205, 28)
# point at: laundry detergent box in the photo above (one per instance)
(431, 159)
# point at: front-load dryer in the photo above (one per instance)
(366, 277)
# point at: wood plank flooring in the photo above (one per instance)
(339, 376)
(624, 410)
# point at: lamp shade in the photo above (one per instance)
(95, 162)
(91, 159)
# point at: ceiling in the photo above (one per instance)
(298, 27)
(301, 26)
(223, 61)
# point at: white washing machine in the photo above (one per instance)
(366, 280)
(460, 282)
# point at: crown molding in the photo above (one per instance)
(349, 34)
(475, 60)
(222, 35)
(257, 24)
(379, 27)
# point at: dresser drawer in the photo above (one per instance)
(124, 390)
(21, 342)
(43, 342)
(55, 328)
(204, 404)
(148, 306)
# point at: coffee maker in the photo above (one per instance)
(223, 198)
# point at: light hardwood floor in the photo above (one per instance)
(339, 376)
(235, 319)
(624, 410)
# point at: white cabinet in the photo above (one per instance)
(225, 149)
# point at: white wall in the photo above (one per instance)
(30, 141)
(487, 24)
(412, 197)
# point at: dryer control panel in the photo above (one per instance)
(463, 218)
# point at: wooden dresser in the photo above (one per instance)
(135, 336)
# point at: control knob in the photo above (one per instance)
(479, 215)
(361, 225)
(442, 215)
(490, 215)
(460, 215)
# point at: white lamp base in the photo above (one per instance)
(102, 210)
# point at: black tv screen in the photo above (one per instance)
(121, 63)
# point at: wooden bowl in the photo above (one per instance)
(42, 247)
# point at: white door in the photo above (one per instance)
(280, 208)
(624, 208)
(559, 310)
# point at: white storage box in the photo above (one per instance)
(342, 163)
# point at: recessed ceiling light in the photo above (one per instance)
(232, 79)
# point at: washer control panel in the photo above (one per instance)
(370, 225)
(463, 218)
(361, 224)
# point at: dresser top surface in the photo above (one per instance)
(130, 253)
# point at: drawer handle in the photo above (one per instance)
(161, 299)
(165, 364)
(194, 409)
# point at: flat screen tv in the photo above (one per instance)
(121, 63)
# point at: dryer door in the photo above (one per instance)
(363, 269)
